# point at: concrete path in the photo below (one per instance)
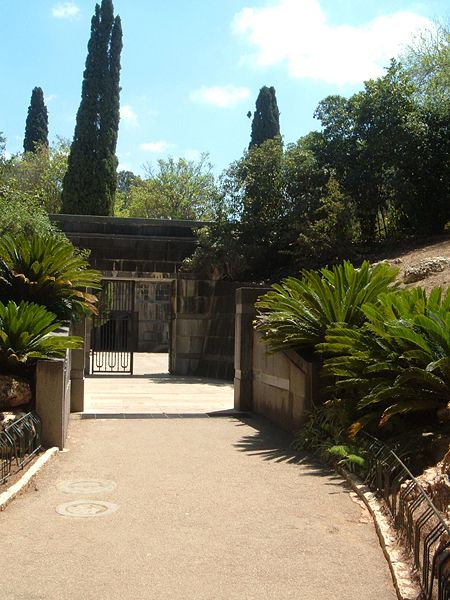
(153, 391)
(207, 509)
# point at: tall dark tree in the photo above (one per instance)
(266, 118)
(36, 128)
(90, 182)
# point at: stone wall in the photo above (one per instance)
(149, 251)
(131, 248)
(153, 309)
(202, 337)
(280, 386)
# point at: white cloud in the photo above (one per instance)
(65, 10)
(50, 98)
(128, 115)
(296, 32)
(222, 96)
(156, 147)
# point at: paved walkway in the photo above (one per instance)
(153, 391)
(206, 509)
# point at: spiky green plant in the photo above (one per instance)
(399, 361)
(47, 270)
(297, 313)
(26, 334)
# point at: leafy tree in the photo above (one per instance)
(326, 234)
(19, 216)
(427, 62)
(36, 177)
(91, 179)
(378, 144)
(176, 189)
(266, 118)
(36, 128)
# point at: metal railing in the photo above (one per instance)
(19, 443)
(426, 534)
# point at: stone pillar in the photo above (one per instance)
(77, 369)
(243, 347)
(53, 400)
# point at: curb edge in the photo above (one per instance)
(27, 478)
(406, 586)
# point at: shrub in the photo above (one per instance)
(26, 334)
(27, 217)
(47, 270)
(297, 313)
(398, 363)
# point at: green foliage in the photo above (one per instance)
(398, 362)
(327, 233)
(218, 254)
(390, 154)
(36, 177)
(325, 433)
(91, 179)
(259, 208)
(427, 61)
(19, 217)
(47, 270)
(266, 118)
(36, 128)
(176, 189)
(26, 334)
(298, 312)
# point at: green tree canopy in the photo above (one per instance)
(266, 118)
(175, 189)
(36, 128)
(36, 177)
(91, 179)
(427, 61)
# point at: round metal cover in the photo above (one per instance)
(86, 486)
(86, 508)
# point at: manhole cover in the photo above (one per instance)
(86, 508)
(86, 486)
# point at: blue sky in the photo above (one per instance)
(191, 70)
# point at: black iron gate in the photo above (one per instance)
(113, 336)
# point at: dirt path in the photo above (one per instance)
(207, 509)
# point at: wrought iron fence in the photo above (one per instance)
(426, 534)
(19, 442)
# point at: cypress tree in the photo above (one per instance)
(266, 118)
(36, 127)
(90, 182)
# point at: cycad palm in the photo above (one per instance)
(26, 334)
(46, 270)
(297, 313)
(399, 361)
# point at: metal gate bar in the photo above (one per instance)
(113, 337)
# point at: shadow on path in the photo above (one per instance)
(273, 444)
(161, 378)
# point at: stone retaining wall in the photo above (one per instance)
(281, 386)
(202, 339)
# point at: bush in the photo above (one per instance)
(297, 313)
(47, 270)
(398, 363)
(19, 217)
(26, 334)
